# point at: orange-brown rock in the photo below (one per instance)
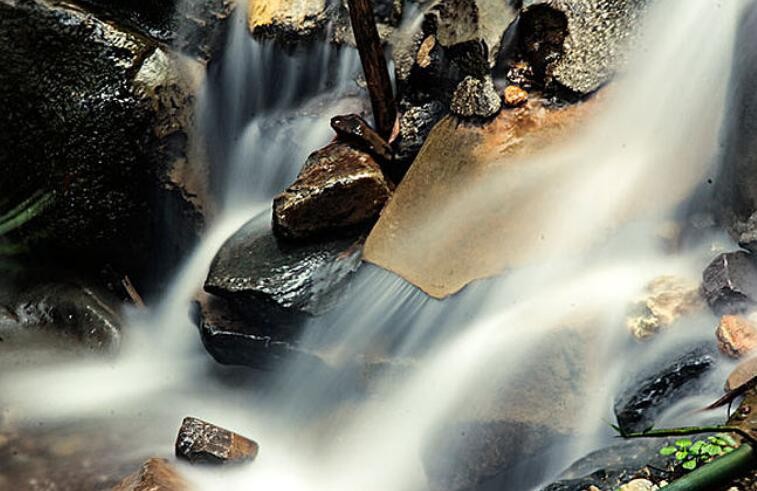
(154, 475)
(737, 335)
(202, 442)
(338, 189)
(515, 96)
(432, 232)
(745, 371)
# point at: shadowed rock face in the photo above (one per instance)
(339, 188)
(98, 117)
(277, 285)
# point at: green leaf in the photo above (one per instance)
(713, 450)
(683, 443)
(728, 449)
(728, 439)
(689, 465)
(668, 451)
(681, 455)
(712, 439)
(696, 448)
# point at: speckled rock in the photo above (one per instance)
(737, 336)
(98, 118)
(287, 21)
(340, 188)
(201, 442)
(476, 98)
(729, 283)
(416, 122)
(639, 485)
(593, 43)
(277, 285)
(665, 300)
(154, 475)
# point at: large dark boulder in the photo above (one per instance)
(276, 285)
(641, 403)
(97, 123)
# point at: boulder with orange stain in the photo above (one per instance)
(737, 335)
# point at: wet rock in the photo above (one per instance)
(666, 299)
(196, 28)
(578, 43)
(740, 375)
(353, 129)
(416, 122)
(96, 119)
(515, 96)
(610, 467)
(388, 14)
(339, 189)
(154, 475)
(737, 336)
(41, 319)
(233, 340)
(277, 285)
(201, 442)
(640, 404)
(287, 21)
(475, 98)
(729, 283)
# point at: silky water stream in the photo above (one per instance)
(493, 355)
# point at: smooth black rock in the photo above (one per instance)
(643, 401)
(232, 340)
(93, 117)
(729, 283)
(277, 285)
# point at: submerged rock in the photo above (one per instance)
(154, 475)
(578, 43)
(277, 285)
(96, 119)
(287, 21)
(338, 190)
(642, 402)
(201, 442)
(666, 299)
(43, 319)
(353, 129)
(737, 336)
(729, 283)
(475, 98)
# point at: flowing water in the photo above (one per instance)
(405, 369)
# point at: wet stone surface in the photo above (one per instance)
(201, 442)
(639, 405)
(729, 283)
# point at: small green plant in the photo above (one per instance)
(691, 453)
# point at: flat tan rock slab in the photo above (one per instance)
(154, 475)
(441, 248)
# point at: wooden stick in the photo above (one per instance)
(374, 65)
